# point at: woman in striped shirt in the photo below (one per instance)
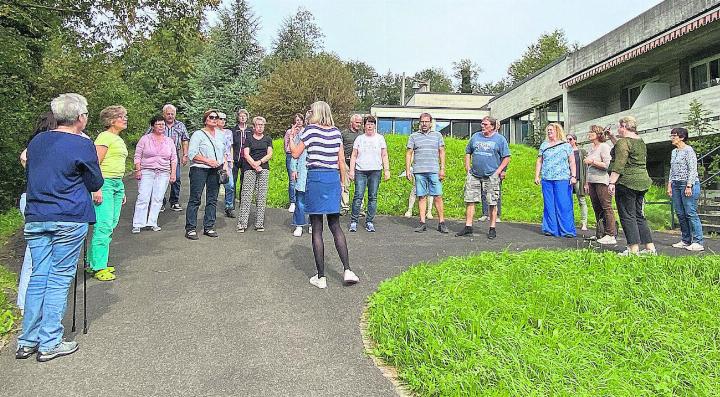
(326, 167)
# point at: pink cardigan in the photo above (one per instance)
(156, 156)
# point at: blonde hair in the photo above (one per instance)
(259, 118)
(321, 114)
(559, 131)
(112, 113)
(598, 131)
(629, 122)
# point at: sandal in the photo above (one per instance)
(90, 270)
(104, 275)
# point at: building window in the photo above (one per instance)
(475, 126)
(705, 73)
(403, 126)
(631, 93)
(505, 130)
(460, 129)
(385, 126)
(443, 127)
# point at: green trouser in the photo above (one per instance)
(107, 215)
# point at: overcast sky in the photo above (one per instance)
(410, 35)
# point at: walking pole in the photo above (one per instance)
(74, 298)
(85, 266)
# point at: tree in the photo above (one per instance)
(295, 84)
(299, 36)
(493, 87)
(366, 80)
(549, 47)
(225, 73)
(439, 81)
(466, 72)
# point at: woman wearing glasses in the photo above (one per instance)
(207, 155)
(112, 153)
(555, 172)
(684, 188)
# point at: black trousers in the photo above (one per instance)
(629, 204)
(202, 179)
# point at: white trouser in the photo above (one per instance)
(151, 191)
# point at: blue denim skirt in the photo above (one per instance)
(322, 191)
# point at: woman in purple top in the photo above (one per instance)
(155, 165)
(326, 168)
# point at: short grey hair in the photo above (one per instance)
(169, 106)
(259, 118)
(242, 111)
(68, 107)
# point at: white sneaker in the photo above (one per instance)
(292, 207)
(498, 220)
(298, 231)
(408, 214)
(135, 230)
(695, 247)
(156, 228)
(350, 277)
(647, 252)
(627, 252)
(484, 218)
(607, 239)
(318, 282)
(681, 244)
(584, 227)
(429, 215)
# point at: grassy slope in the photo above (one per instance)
(544, 323)
(10, 222)
(522, 199)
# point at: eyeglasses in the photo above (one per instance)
(570, 138)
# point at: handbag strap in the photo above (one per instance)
(213, 145)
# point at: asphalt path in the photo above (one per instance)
(236, 315)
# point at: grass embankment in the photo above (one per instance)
(10, 222)
(521, 200)
(540, 323)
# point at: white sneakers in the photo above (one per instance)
(318, 282)
(349, 277)
(608, 240)
(484, 218)
(680, 244)
(408, 214)
(429, 215)
(695, 247)
(298, 231)
(292, 207)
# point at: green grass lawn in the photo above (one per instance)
(522, 199)
(542, 323)
(10, 222)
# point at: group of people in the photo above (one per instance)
(73, 183)
(562, 168)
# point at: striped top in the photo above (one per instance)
(322, 146)
(426, 147)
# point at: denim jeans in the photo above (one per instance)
(630, 204)
(55, 248)
(26, 266)
(230, 193)
(686, 209)
(175, 186)
(299, 218)
(108, 216)
(200, 178)
(371, 180)
(291, 182)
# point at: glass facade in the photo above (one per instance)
(705, 74)
(385, 126)
(403, 126)
(461, 129)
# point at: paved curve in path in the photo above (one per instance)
(236, 315)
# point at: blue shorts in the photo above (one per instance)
(428, 184)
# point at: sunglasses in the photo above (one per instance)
(222, 118)
(211, 117)
(570, 139)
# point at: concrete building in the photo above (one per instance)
(651, 67)
(455, 115)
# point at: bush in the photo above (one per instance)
(545, 323)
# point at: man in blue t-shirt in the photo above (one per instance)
(486, 156)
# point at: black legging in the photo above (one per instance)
(319, 246)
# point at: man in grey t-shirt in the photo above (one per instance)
(426, 153)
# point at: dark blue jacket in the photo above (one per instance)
(62, 170)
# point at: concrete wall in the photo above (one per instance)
(656, 120)
(414, 113)
(542, 88)
(449, 100)
(646, 25)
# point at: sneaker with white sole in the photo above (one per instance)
(607, 240)
(292, 207)
(408, 214)
(648, 252)
(135, 230)
(429, 215)
(319, 282)
(352, 227)
(695, 247)
(156, 228)
(627, 252)
(498, 220)
(484, 218)
(350, 277)
(298, 231)
(176, 207)
(370, 227)
(62, 349)
(681, 244)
